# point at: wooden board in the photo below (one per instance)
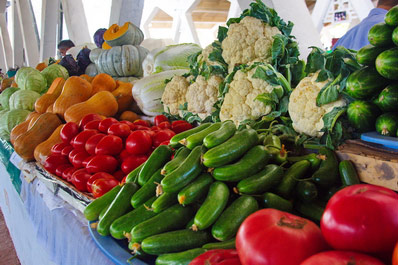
(374, 164)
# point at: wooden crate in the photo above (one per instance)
(374, 164)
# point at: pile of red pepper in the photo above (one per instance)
(96, 154)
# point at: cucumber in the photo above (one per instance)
(388, 98)
(102, 213)
(146, 191)
(289, 181)
(197, 138)
(174, 241)
(179, 258)
(164, 201)
(132, 176)
(232, 149)
(226, 131)
(252, 162)
(391, 17)
(367, 55)
(306, 191)
(380, 35)
(175, 217)
(328, 173)
(227, 244)
(312, 158)
(364, 83)
(179, 157)
(386, 64)
(274, 201)
(212, 207)
(175, 140)
(228, 224)
(119, 206)
(155, 161)
(195, 190)
(125, 223)
(362, 115)
(348, 173)
(92, 211)
(387, 124)
(189, 169)
(261, 182)
(311, 210)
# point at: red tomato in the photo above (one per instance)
(68, 173)
(106, 123)
(217, 257)
(155, 128)
(395, 255)
(109, 145)
(80, 140)
(142, 123)
(53, 161)
(92, 125)
(164, 125)
(101, 186)
(124, 154)
(89, 117)
(270, 236)
(337, 257)
(77, 160)
(159, 119)
(161, 136)
(138, 142)
(92, 142)
(68, 131)
(102, 163)
(67, 150)
(72, 154)
(119, 129)
(139, 128)
(97, 176)
(362, 218)
(79, 179)
(61, 168)
(85, 161)
(119, 175)
(56, 149)
(129, 123)
(131, 162)
(180, 126)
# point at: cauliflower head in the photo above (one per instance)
(202, 94)
(248, 41)
(305, 114)
(204, 56)
(239, 102)
(174, 94)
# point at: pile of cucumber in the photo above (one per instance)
(178, 208)
(374, 87)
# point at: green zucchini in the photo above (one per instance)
(175, 140)
(226, 131)
(380, 35)
(228, 223)
(175, 217)
(232, 149)
(289, 181)
(119, 206)
(274, 201)
(155, 161)
(261, 182)
(227, 244)
(133, 175)
(195, 190)
(179, 258)
(197, 138)
(306, 191)
(212, 207)
(179, 157)
(252, 162)
(92, 211)
(348, 173)
(189, 169)
(328, 173)
(125, 223)
(102, 213)
(146, 191)
(164, 201)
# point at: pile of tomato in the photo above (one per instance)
(98, 153)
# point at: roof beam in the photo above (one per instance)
(49, 22)
(76, 21)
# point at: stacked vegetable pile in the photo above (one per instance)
(373, 87)
(217, 178)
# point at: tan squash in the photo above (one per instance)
(124, 96)
(43, 150)
(44, 101)
(87, 77)
(56, 86)
(103, 82)
(50, 109)
(44, 126)
(128, 115)
(128, 33)
(102, 103)
(75, 90)
(22, 127)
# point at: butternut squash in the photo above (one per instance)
(56, 86)
(124, 96)
(128, 116)
(44, 101)
(50, 108)
(43, 150)
(22, 127)
(87, 77)
(102, 103)
(75, 90)
(44, 126)
(103, 82)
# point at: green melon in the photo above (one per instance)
(380, 35)
(387, 64)
(362, 115)
(387, 124)
(367, 55)
(388, 98)
(365, 83)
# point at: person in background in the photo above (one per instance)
(64, 46)
(357, 37)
